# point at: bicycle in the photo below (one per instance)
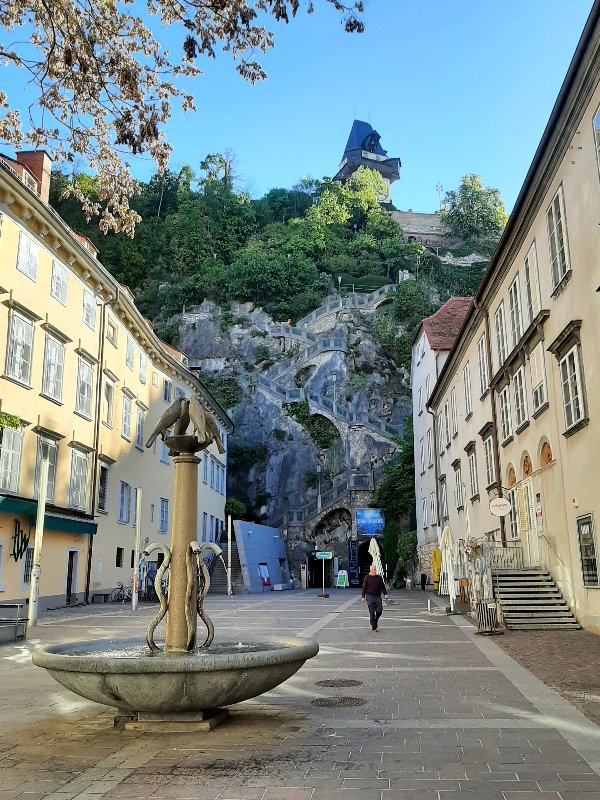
(121, 594)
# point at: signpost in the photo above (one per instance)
(324, 555)
(500, 506)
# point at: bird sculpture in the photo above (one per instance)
(176, 416)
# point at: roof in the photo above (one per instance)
(443, 327)
(359, 133)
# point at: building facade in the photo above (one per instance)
(529, 425)
(431, 346)
(84, 380)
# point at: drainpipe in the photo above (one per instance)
(488, 350)
(98, 414)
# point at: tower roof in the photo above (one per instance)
(364, 137)
(443, 327)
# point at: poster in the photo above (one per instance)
(353, 563)
(369, 522)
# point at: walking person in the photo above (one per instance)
(373, 588)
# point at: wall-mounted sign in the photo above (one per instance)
(369, 521)
(324, 555)
(500, 506)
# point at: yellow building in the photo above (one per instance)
(86, 379)
(516, 407)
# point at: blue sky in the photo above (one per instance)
(452, 87)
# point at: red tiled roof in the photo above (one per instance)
(443, 327)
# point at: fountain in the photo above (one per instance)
(183, 686)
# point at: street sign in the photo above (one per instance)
(500, 506)
(325, 555)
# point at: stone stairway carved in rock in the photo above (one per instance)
(530, 600)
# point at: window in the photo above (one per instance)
(167, 391)
(111, 331)
(500, 334)
(596, 136)
(78, 486)
(11, 445)
(204, 467)
(139, 430)
(587, 548)
(163, 519)
(432, 509)
(164, 450)
(109, 402)
(570, 376)
(130, 353)
(151, 512)
(83, 403)
(124, 502)
(59, 283)
(27, 256)
(429, 440)
(212, 474)
(482, 365)
(51, 449)
(89, 315)
(211, 532)
(204, 525)
(453, 419)
(446, 424)
(28, 565)
(440, 436)
(54, 361)
(520, 398)
(422, 452)
(126, 418)
(143, 367)
(119, 557)
(427, 387)
(473, 483)
(490, 472)
(103, 488)
(420, 399)
(424, 511)
(134, 498)
(505, 417)
(444, 500)
(516, 321)
(20, 346)
(155, 379)
(557, 238)
(538, 376)
(458, 491)
(467, 389)
(513, 526)
(532, 284)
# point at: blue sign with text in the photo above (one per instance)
(369, 521)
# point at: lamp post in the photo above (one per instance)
(319, 489)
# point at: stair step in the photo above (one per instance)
(543, 626)
(535, 604)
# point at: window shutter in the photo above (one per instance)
(536, 363)
(522, 510)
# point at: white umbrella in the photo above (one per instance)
(375, 553)
(447, 582)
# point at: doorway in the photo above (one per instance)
(315, 572)
(527, 524)
(365, 559)
(71, 585)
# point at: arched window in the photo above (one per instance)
(546, 454)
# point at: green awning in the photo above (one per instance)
(66, 523)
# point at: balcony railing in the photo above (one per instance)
(510, 557)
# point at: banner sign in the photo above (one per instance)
(369, 521)
(353, 579)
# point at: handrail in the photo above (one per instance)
(551, 546)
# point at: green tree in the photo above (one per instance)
(473, 211)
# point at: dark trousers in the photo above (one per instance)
(375, 609)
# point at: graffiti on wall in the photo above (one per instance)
(20, 541)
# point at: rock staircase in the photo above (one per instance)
(530, 600)
(218, 580)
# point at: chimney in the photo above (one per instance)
(39, 164)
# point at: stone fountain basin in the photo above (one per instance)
(170, 683)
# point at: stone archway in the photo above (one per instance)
(365, 559)
(331, 532)
(385, 300)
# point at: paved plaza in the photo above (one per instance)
(436, 712)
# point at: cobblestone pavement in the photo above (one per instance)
(447, 714)
(568, 661)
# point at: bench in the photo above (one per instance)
(100, 597)
(16, 622)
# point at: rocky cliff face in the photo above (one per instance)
(310, 403)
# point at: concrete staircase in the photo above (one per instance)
(530, 600)
(218, 578)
